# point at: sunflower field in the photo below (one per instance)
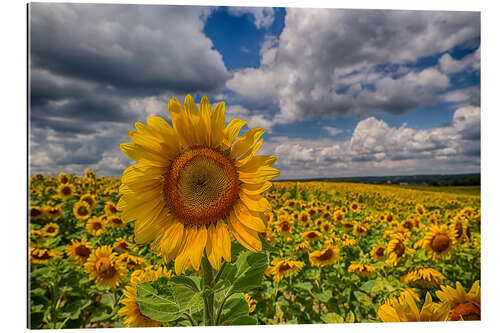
(331, 253)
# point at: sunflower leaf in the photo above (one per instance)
(332, 318)
(157, 305)
(235, 307)
(250, 270)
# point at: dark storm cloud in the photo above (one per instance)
(143, 50)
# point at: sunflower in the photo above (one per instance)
(302, 247)
(304, 217)
(96, 226)
(284, 226)
(407, 292)
(361, 270)
(82, 210)
(252, 303)
(36, 212)
(36, 236)
(359, 230)
(326, 227)
(355, 207)
(285, 267)
(42, 256)
(338, 216)
(378, 253)
(327, 256)
(66, 191)
(79, 250)
(396, 249)
(132, 262)
(88, 173)
(121, 245)
(424, 277)
(115, 221)
(406, 310)
(131, 312)
(104, 267)
(420, 210)
(332, 241)
(54, 212)
(110, 208)
(50, 229)
(463, 306)
(348, 241)
(193, 182)
(63, 178)
(90, 199)
(439, 240)
(311, 235)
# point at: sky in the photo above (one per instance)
(341, 93)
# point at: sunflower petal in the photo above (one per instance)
(249, 220)
(231, 132)
(217, 122)
(197, 245)
(263, 173)
(140, 155)
(255, 203)
(211, 248)
(246, 237)
(246, 142)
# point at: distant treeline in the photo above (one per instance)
(431, 180)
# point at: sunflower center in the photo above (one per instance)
(105, 268)
(380, 252)
(201, 186)
(399, 249)
(66, 190)
(327, 255)
(82, 210)
(284, 267)
(51, 229)
(97, 226)
(82, 251)
(466, 311)
(440, 243)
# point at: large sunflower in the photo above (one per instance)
(327, 256)
(195, 184)
(464, 306)
(405, 310)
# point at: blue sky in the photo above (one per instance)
(339, 92)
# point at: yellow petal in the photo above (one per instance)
(224, 240)
(251, 221)
(137, 173)
(263, 173)
(211, 248)
(246, 142)
(246, 237)
(181, 123)
(255, 203)
(254, 189)
(243, 159)
(388, 314)
(257, 162)
(231, 132)
(140, 155)
(148, 228)
(197, 245)
(217, 124)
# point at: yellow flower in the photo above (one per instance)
(396, 249)
(66, 191)
(338, 216)
(439, 240)
(121, 245)
(36, 213)
(463, 306)
(311, 235)
(327, 256)
(378, 253)
(355, 207)
(90, 199)
(252, 303)
(110, 208)
(406, 310)
(195, 183)
(326, 227)
(115, 221)
(96, 226)
(104, 267)
(284, 226)
(285, 267)
(132, 262)
(131, 312)
(42, 256)
(79, 251)
(302, 247)
(359, 230)
(304, 217)
(420, 209)
(54, 212)
(50, 229)
(362, 270)
(424, 277)
(82, 210)
(63, 178)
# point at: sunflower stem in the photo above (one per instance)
(208, 295)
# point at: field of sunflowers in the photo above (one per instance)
(334, 253)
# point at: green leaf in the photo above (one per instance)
(304, 285)
(332, 318)
(324, 296)
(244, 320)
(192, 282)
(362, 297)
(235, 307)
(250, 270)
(349, 318)
(155, 305)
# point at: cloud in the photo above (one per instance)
(331, 63)
(449, 65)
(254, 118)
(375, 148)
(263, 16)
(332, 130)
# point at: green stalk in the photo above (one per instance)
(208, 298)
